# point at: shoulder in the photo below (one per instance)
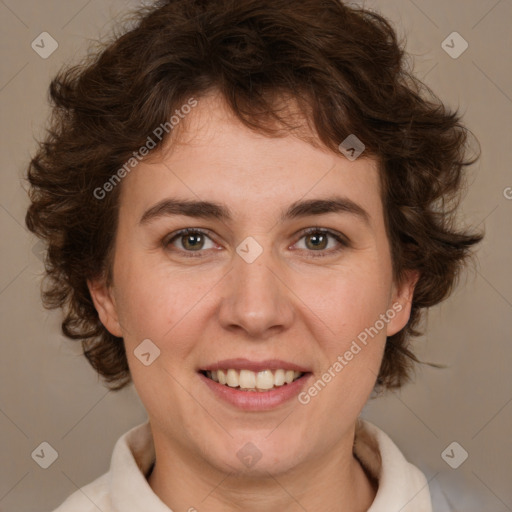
(90, 498)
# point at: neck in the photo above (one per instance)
(328, 483)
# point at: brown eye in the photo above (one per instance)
(189, 240)
(192, 241)
(323, 242)
(317, 241)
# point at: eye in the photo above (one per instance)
(189, 240)
(317, 240)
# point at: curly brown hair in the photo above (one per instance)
(345, 69)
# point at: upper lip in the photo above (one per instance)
(255, 366)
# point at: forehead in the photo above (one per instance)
(213, 156)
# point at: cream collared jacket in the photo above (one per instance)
(124, 488)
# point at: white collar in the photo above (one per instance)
(402, 486)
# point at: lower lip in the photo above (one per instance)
(256, 400)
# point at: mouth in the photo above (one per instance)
(255, 381)
(255, 386)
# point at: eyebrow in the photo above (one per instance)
(210, 210)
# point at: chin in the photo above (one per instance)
(255, 456)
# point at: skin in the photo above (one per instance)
(287, 304)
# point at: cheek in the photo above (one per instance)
(353, 307)
(150, 302)
(351, 348)
(347, 303)
(166, 309)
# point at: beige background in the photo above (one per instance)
(49, 393)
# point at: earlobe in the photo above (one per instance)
(401, 303)
(105, 306)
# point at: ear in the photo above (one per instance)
(105, 306)
(401, 302)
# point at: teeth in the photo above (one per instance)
(265, 380)
(279, 378)
(232, 379)
(248, 380)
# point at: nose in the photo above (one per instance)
(257, 300)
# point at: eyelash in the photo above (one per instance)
(313, 230)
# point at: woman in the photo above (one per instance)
(247, 208)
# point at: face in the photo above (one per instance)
(271, 282)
